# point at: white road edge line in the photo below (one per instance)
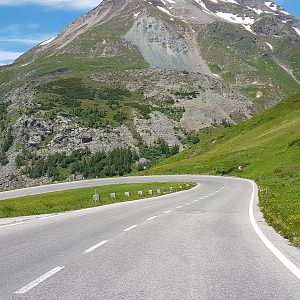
(11, 225)
(49, 217)
(179, 206)
(129, 228)
(36, 282)
(167, 212)
(152, 218)
(280, 256)
(95, 247)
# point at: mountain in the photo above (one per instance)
(265, 149)
(144, 75)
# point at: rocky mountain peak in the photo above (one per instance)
(140, 75)
(174, 20)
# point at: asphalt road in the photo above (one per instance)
(199, 244)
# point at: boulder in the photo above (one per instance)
(86, 138)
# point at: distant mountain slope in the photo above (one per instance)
(132, 72)
(266, 149)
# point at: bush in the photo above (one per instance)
(3, 158)
(120, 117)
(8, 140)
(100, 164)
(192, 138)
(3, 112)
(159, 150)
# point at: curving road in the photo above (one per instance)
(204, 243)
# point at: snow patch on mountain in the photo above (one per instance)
(164, 10)
(256, 10)
(235, 18)
(297, 30)
(271, 5)
(228, 1)
(48, 41)
(201, 4)
(246, 22)
(285, 12)
(269, 45)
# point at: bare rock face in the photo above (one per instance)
(68, 136)
(63, 135)
(200, 113)
(157, 126)
(163, 47)
(205, 100)
(268, 25)
(35, 131)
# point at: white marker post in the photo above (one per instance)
(127, 194)
(140, 193)
(96, 197)
(158, 191)
(171, 189)
(150, 192)
(113, 195)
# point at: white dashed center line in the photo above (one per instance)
(47, 275)
(36, 282)
(131, 227)
(152, 218)
(95, 247)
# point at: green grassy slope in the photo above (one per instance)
(267, 148)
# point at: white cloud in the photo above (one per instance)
(21, 34)
(26, 40)
(7, 57)
(22, 41)
(68, 4)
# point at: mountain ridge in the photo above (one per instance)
(130, 73)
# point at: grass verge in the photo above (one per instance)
(82, 198)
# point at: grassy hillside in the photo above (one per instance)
(266, 149)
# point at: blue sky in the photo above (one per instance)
(25, 23)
